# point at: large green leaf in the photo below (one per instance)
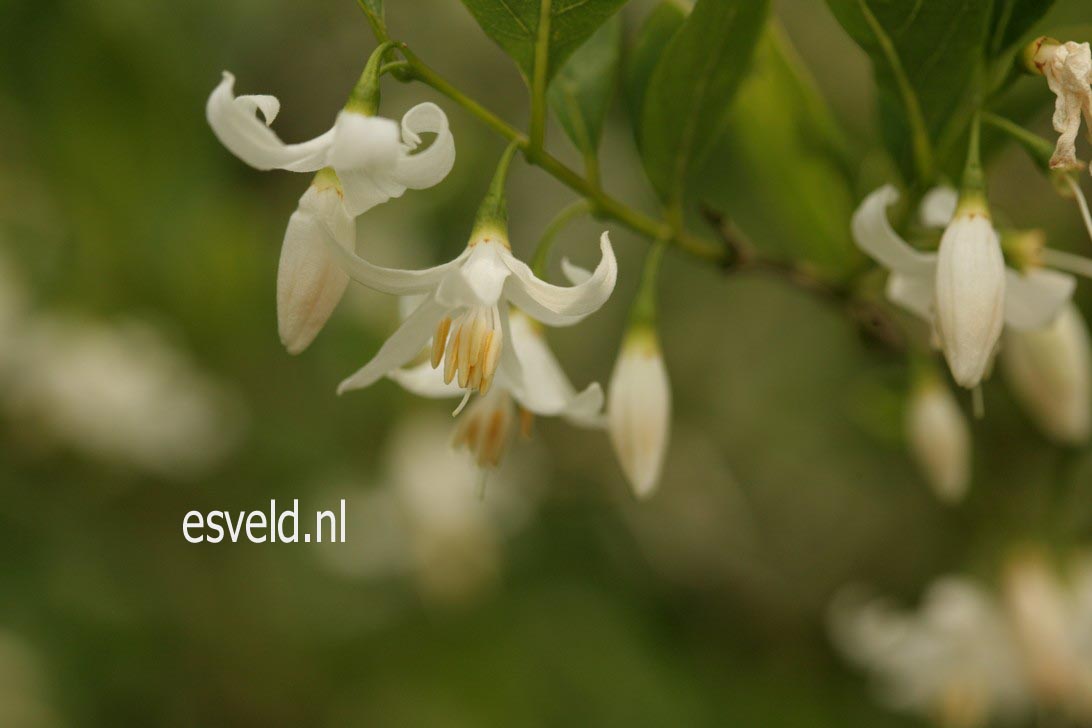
(927, 58)
(516, 27)
(656, 32)
(692, 86)
(581, 92)
(1012, 21)
(783, 171)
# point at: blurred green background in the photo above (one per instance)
(558, 601)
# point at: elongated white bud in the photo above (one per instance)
(1050, 372)
(639, 410)
(309, 281)
(940, 439)
(970, 288)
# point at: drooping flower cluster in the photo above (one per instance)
(474, 323)
(971, 656)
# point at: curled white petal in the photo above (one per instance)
(364, 153)
(873, 233)
(560, 305)
(236, 125)
(1034, 299)
(916, 294)
(309, 280)
(402, 346)
(426, 381)
(428, 167)
(393, 281)
(479, 279)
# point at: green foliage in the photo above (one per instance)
(656, 32)
(1012, 21)
(928, 63)
(691, 88)
(581, 92)
(516, 26)
(783, 168)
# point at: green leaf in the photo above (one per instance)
(1012, 21)
(656, 32)
(927, 58)
(783, 172)
(373, 10)
(516, 27)
(581, 92)
(692, 86)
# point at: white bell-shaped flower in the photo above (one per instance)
(965, 291)
(362, 161)
(639, 410)
(1050, 372)
(939, 439)
(529, 382)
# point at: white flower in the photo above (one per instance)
(121, 393)
(465, 311)
(1052, 618)
(532, 379)
(1068, 71)
(964, 291)
(365, 161)
(940, 439)
(639, 410)
(954, 660)
(1050, 372)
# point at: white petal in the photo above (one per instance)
(402, 346)
(874, 236)
(365, 154)
(235, 124)
(970, 303)
(309, 280)
(426, 381)
(938, 207)
(426, 168)
(479, 280)
(1050, 371)
(940, 440)
(546, 390)
(639, 412)
(1034, 299)
(559, 305)
(575, 273)
(393, 281)
(914, 293)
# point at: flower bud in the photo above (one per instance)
(1049, 372)
(309, 281)
(970, 286)
(639, 409)
(940, 439)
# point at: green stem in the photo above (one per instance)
(546, 242)
(1039, 148)
(493, 212)
(643, 312)
(974, 179)
(538, 80)
(364, 98)
(603, 204)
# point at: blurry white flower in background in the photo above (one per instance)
(119, 392)
(939, 438)
(426, 518)
(24, 701)
(954, 659)
(1051, 612)
(1050, 372)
